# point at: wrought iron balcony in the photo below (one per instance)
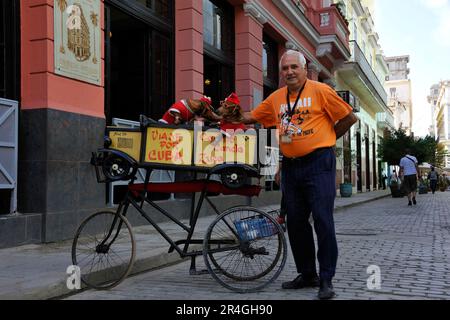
(359, 58)
(359, 75)
(385, 120)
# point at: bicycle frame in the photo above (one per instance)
(194, 214)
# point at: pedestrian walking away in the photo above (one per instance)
(310, 117)
(433, 177)
(409, 174)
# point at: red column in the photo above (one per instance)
(248, 61)
(188, 49)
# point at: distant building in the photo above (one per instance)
(432, 100)
(440, 105)
(398, 87)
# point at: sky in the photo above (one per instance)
(420, 29)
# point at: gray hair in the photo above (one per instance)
(299, 55)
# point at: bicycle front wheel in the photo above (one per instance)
(104, 249)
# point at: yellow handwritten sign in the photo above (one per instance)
(169, 146)
(212, 148)
(177, 146)
(207, 148)
(127, 142)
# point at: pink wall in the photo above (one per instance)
(312, 4)
(313, 74)
(41, 87)
(313, 8)
(249, 48)
(188, 49)
(292, 29)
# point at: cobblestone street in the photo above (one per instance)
(411, 246)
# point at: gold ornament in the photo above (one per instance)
(62, 4)
(78, 34)
(94, 22)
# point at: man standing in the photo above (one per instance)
(408, 173)
(309, 116)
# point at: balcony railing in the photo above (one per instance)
(385, 119)
(359, 58)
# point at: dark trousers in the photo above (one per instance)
(309, 187)
(433, 185)
(282, 206)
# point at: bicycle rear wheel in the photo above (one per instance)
(104, 249)
(244, 260)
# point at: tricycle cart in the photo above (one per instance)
(244, 248)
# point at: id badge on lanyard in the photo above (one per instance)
(286, 137)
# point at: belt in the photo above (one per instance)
(309, 156)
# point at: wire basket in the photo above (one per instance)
(254, 228)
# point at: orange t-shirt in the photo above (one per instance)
(312, 124)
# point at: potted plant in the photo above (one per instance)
(443, 184)
(423, 186)
(345, 188)
(396, 188)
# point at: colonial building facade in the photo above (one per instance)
(151, 54)
(361, 79)
(433, 101)
(398, 87)
(440, 104)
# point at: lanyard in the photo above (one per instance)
(290, 111)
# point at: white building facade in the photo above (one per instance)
(398, 88)
(432, 100)
(440, 106)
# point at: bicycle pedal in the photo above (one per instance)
(198, 272)
(261, 251)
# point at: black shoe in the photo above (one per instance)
(326, 290)
(409, 203)
(301, 282)
(414, 200)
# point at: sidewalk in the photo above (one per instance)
(39, 271)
